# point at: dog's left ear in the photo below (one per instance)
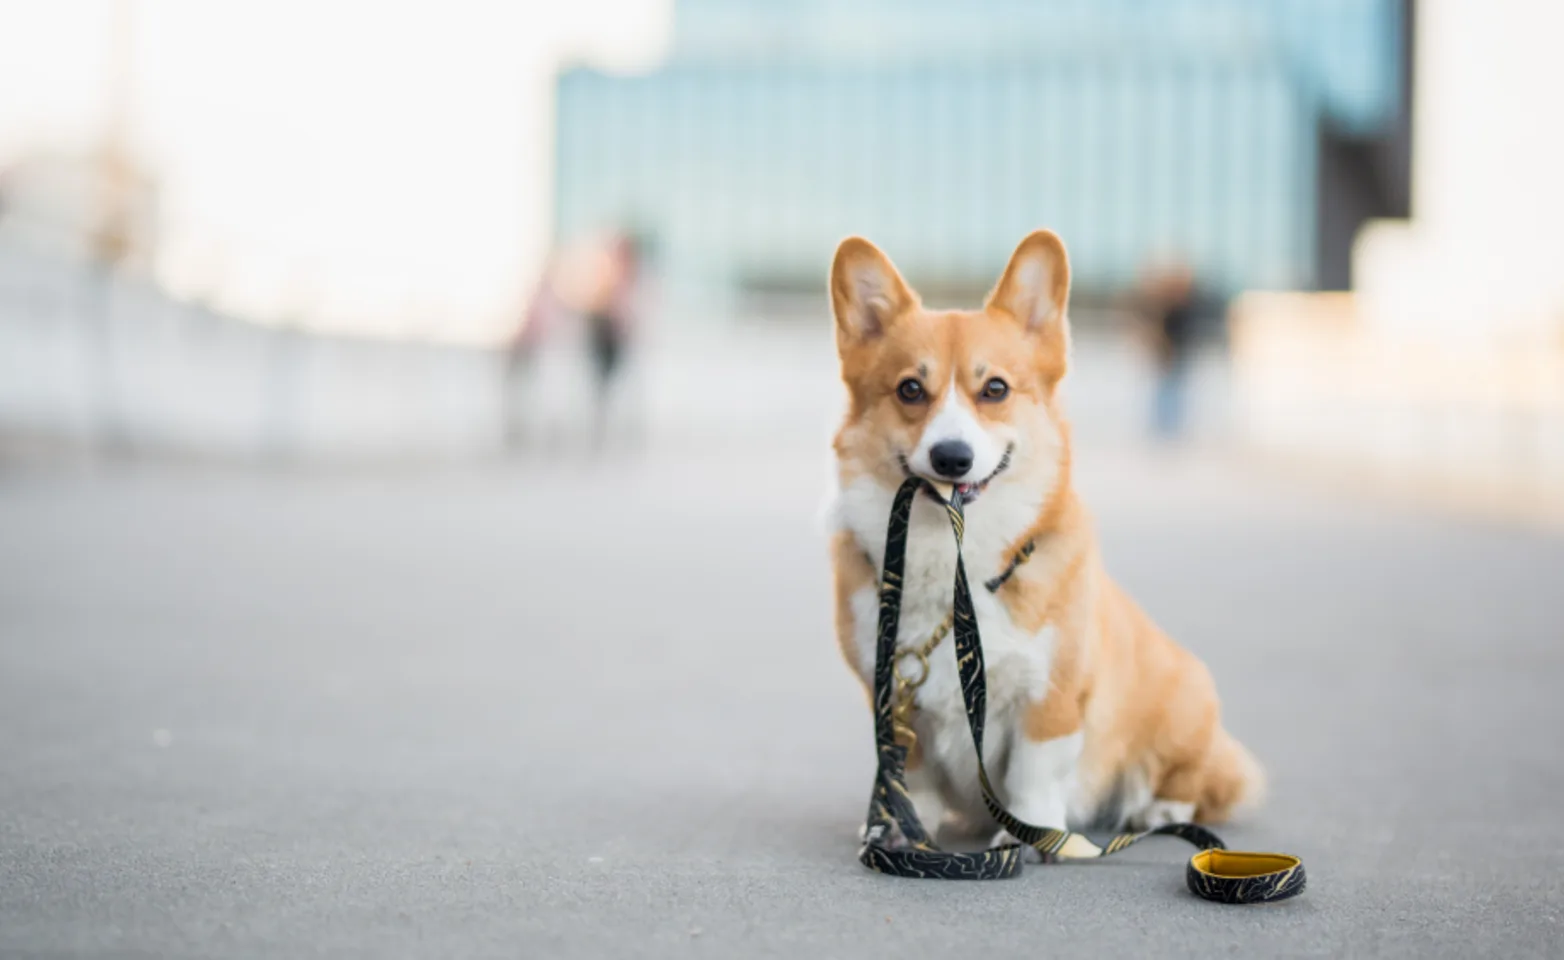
(1035, 290)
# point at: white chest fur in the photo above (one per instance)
(1017, 661)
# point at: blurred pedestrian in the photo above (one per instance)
(1168, 305)
(544, 313)
(613, 318)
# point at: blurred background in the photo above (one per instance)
(347, 349)
(1312, 229)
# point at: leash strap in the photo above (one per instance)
(1215, 873)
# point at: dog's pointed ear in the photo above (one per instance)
(867, 294)
(1035, 290)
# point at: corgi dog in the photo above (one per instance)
(1096, 719)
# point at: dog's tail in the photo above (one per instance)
(1233, 782)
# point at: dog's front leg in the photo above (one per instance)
(1039, 781)
(926, 799)
(923, 790)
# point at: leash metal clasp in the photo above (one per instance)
(905, 699)
(907, 695)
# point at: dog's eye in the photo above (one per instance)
(910, 391)
(995, 389)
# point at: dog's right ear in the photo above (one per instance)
(867, 294)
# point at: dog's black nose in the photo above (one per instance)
(951, 458)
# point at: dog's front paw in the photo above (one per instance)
(1029, 853)
(886, 836)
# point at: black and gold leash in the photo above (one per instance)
(1214, 873)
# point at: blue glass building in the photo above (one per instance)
(1250, 137)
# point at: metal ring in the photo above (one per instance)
(923, 662)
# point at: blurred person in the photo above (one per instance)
(613, 316)
(1168, 307)
(545, 311)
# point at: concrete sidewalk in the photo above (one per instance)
(597, 711)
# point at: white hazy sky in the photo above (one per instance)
(378, 167)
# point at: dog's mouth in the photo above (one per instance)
(968, 492)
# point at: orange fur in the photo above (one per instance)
(1147, 707)
(853, 573)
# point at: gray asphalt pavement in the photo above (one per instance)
(597, 711)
